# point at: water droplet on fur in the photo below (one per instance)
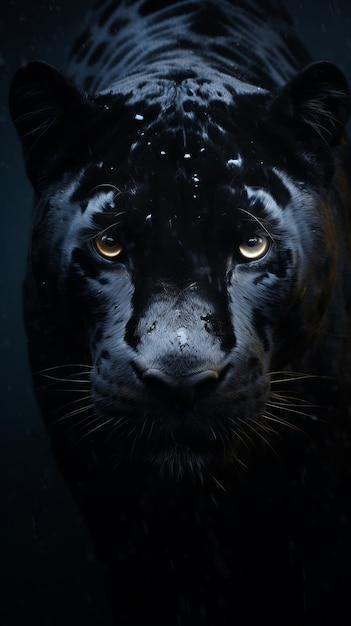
(139, 117)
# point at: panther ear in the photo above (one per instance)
(316, 103)
(47, 110)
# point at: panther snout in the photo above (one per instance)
(183, 390)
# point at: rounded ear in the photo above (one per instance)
(46, 110)
(317, 102)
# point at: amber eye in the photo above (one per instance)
(254, 247)
(108, 246)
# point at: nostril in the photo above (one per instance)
(183, 389)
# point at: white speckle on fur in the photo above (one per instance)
(235, 162)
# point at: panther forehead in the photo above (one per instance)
(169, 83)
(187, 131)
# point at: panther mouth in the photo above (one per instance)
(185, 455)
(184, 420)
(179, 434)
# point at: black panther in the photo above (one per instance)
(187, 307)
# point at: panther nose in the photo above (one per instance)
(183, 390)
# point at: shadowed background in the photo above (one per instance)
(47, 572)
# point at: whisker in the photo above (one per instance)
(292, 376)
(64, 366)
(289, 409)
(72, 403)
(109, 186)
(218, 483)
(247, 421)
(282, 422)
(99, 426)
(290, 401)
(238, 432)
(66, 390)
(82, 423)
(66, 380)
(254, 217)
(152, 424)
(77, 411)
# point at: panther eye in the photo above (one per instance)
(254, 247)
(108, 246)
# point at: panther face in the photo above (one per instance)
(182, 254)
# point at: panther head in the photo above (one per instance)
(183, 251)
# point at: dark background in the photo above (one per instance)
(47, 572)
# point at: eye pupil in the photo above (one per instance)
(108, 241)
(253, 241)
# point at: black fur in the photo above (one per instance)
(187, 306)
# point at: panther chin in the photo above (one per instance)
(193, 462)
(183, 462)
